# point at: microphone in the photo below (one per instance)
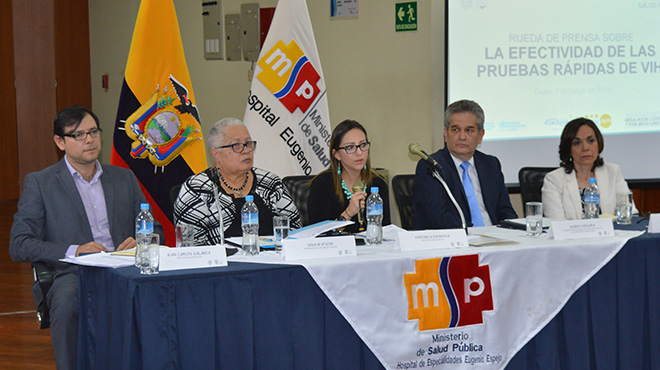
(359, 186)
(416, 149)
(435, 167)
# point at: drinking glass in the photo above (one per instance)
(280, 230)
(150, 255)
(185, 235)
(624, 202)
(534, 218)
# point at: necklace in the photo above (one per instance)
(347, 191)
(235, 190)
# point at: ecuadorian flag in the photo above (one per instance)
(157, 131)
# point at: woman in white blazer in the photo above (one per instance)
(579, 152)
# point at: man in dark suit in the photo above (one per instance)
(474, 178)
(74, 206)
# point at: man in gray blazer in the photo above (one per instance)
(74, 206)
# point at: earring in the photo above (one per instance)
(338, 170)
(365, 166)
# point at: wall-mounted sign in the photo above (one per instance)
(406, 16)
(343, 8)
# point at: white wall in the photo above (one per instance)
(392, 83)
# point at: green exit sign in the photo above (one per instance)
(406, 16)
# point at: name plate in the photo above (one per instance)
(432, 239)
(310, 248)
(192, 257)
(654, 223)
(580, 229)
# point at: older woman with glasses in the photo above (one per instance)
(340, 192)
(232, 150)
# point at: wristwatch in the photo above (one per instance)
(341, 217)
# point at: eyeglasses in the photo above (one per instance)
(82, 135)
(350, 149)
(238, 147)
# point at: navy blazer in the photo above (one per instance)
(434, 210)
(51, 215)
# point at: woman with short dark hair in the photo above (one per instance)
(579, 153)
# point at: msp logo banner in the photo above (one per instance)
(159, 129)
(448, 292)
(290, 76)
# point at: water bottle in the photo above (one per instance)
(250, 226)
(144, 225)
(374, 217)
(591, 199)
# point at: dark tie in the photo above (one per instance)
(477, 219)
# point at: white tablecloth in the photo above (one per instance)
(530, 281)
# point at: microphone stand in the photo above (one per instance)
(433, 168)
(360, 219)
(219, 207)
(359, 186)
(220, 225)
(437, 176)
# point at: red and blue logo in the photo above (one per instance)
(290, 76)
(448, 292)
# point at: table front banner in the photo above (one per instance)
(460, 308)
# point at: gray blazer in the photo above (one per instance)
(51, 215)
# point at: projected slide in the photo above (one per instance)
(535, 65)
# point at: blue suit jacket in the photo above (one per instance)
(433, 208)
(51, 215)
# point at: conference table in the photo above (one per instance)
(275, 316)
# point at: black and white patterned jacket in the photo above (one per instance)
(195, 204)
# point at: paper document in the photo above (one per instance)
(521, 223)
(237, 242)
(318, 228)
(125, 252)
(101, 259)
(390, 233)
(484, 240)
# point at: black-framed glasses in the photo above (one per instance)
(350, 149)
(82, 135)
(238, 147)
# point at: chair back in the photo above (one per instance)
(403, 186)
(298, 187)
(531, 182)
